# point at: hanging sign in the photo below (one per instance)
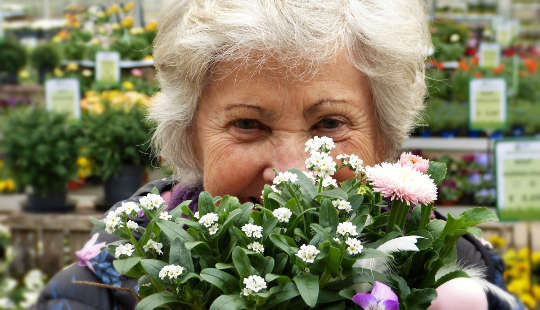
(489, 55)
(63, 95)
(487, 104)
(517, 164)
(504, 33)
(108, 67)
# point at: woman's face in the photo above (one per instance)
(251, 121)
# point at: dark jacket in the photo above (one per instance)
(60, 293)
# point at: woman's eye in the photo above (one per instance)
(328, 123)
(248, 124)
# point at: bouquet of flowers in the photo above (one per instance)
(313, 243)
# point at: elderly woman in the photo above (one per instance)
(246, 82)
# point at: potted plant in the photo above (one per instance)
(45, 58)
(117, 146)
(12, 59)
(41, 149)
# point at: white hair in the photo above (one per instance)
(387, 40)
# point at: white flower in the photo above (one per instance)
(321, 164)
(275, 189)
(111, 222)
(132, 225)
(151, 201)
(213, 229)
(254, 284)
(208, 219)
(153, 245)
(307, 253)
(196, 215)
(347, 228)
(4, 230)
(351, 160)
(124, 249)
(128, 208)
(454, 38)
(256, 247)
(34, 280)
(285, 177)
(329, 181)
(355, 246)
(342, 205)
(310, 176)
(171, 272)
(30, 298)
(336, 239)
(165, 216)
(322, 144)
(282, 214)
(6, 303)
(251, 230)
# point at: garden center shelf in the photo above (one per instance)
(448, 144)
(123, 63)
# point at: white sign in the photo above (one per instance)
(518, 179)
(487, 104)
(108, 67)
(63, 95)
(504, 33)
(1, 26)
(489, 55)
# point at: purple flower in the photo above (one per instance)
(481, 159)
(90, 250)
(488, 177)
(381, 298)
(474, 179)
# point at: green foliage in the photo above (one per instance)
(46, 56)
(12, 56)
(116, 138)
(442, 115)
(134, 47)
(41, 149)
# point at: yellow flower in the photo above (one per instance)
(97, 108)
(127, 85)
(95, 41)
(497, 241)
(83, 172)
(115, 26)
(24, 74)
(151, 26)
(83, 162)
(510, 257)
(87, 73)
(523, 268)
(136, 30)
(148, 57)
(519, 286)
(58, 73)
(536, 258)
(127, 22)
(10, 185)
(524, 253)
(128, 7)
(100, 14)
(72, 66)
(3, 186)
(536, 291)
(528, 300)
(113, 9)
(1, 163)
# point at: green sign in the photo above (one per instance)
(489, 55)
(108, 67)
(487, 104)
(504, 33)
(518, 179)
(62, 95)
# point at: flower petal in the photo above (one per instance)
(364, 300)
(383, 292)
(390, 305)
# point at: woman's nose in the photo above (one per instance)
(285, 156)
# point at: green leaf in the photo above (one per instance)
(451, 275)
(153, 266)
(124, 266)
(241, 263)
(220, 279)
(180, 255)
(334, 260)
(182, 208)
(155, 191)
(229, 302)
(269, 224)
(328, 215)
(206, 204)
(233, 216)
(437, 171)
(308, 286)
(222, 266)
(284, 243)
(336, 193)
(174, 231)
(281, 294)
(156, 300)
(420, 298)
(307, 187)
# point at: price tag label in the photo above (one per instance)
(518, 179)
(1, 26)
(490, 55)
(504, 33)
(63, 95)
(108, 67)
(487, 104)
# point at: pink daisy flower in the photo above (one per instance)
(403, 183)
(417, 162)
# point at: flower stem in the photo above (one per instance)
(394, 214)
(293, 193)
(425, 214)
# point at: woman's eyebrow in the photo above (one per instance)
(263, 113)
(321, 104)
